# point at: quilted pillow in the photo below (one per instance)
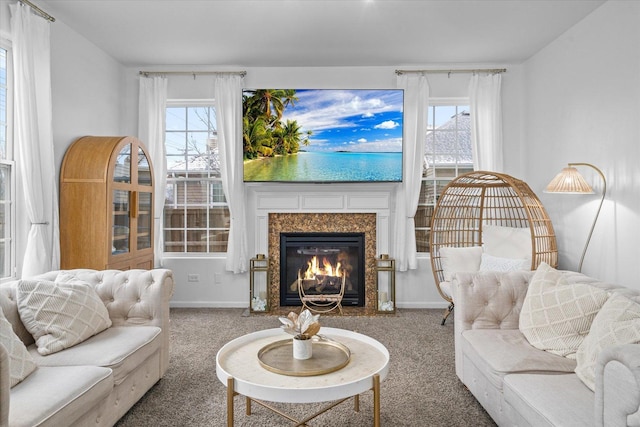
(507, 242)
(461, 260)
(60, 315)
(556, 316)
(21, 363)
(617, 323)
(494, 263)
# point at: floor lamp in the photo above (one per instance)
(570, 181)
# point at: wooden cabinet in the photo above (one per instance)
(106, 204)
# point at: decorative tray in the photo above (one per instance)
(328, 356)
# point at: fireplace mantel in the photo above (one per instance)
(346, 208)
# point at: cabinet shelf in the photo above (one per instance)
(106, 204)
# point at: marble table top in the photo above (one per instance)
(239, 359)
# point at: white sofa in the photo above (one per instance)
(520, 385)
(98, 380)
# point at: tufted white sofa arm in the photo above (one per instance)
(617, 394)
(132, 297)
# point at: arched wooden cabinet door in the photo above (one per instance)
(106, 204)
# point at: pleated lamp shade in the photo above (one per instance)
(569, 181)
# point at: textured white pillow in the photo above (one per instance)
(617, 323)
(21, 363)
(494, 263)
(556, 316)
(60, 315)
(507, 242)
(459, 260)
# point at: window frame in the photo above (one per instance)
(439, 102)
(209, 204)
(9, 161)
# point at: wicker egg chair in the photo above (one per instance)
(478, 198)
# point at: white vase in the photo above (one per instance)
(302, 349)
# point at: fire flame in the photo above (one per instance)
(314, 269)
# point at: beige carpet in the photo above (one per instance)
(420, 390)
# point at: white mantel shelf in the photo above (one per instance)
(320, 198)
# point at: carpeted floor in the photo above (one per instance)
(420, 390)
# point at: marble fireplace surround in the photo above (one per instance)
(326, 223)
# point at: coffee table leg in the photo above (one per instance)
(248, 405)
(376, 400)
(230, 394)
(356, 403)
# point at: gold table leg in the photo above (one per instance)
(356, 405)
(230, 394)
(376, 400)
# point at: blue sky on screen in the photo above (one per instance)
(350, 120)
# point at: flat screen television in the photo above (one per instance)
(323, 135)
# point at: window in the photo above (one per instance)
(196, 214)
(447, 155)
(7, 182)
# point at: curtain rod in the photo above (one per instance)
(39, 11)
(454, 71)
(190, 73)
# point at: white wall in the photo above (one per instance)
(582, 100)
(86, 89)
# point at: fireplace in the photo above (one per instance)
(323, 223)
(322, 260)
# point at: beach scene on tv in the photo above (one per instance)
(324, 135)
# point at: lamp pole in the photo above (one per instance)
(604, 192)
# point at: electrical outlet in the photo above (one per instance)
(193, 277)
(217, 278)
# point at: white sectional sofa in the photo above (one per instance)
(521, 385)
(96, 381)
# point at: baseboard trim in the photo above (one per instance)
(238, 304)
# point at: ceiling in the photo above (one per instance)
(264, 33)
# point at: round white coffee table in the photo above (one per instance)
(238, 367)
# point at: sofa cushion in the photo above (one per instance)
(499, 352)
(58, 396)
(617, 323)
(556, 316)
(494, 263)
(550, 400)
(21, 363)
(456, 260)
(10, 308)
(60, 315)
(120, 348)
(507, 242)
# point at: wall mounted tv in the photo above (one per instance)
(323, 135)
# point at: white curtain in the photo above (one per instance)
(151, 131)
(33, 132)
(486, 121)
(228, 98)
(416, 103)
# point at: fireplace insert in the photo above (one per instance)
(322, 261)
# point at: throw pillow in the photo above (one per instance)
(507, 242)
(461, 260)
(60, 315)
(21, 363)
(556, 316)
(617, 323)
(494, 263)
